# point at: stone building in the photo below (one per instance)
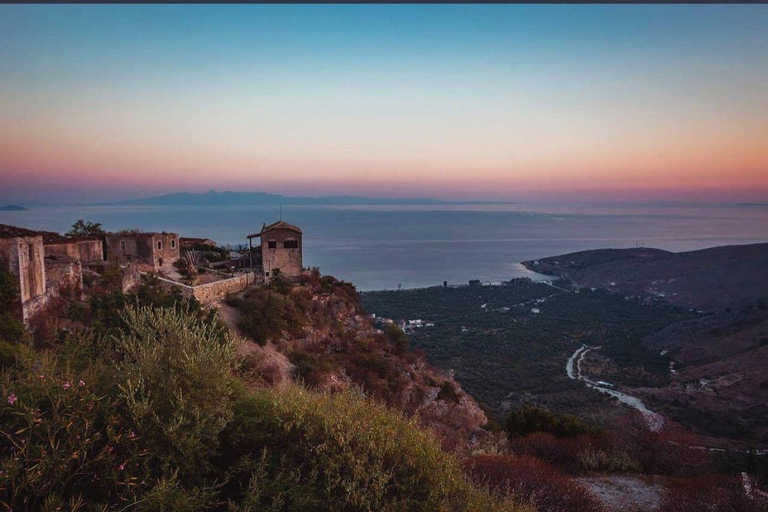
(85, 251)
(158, 251)
(281, 249)
(47, 265)
(22, 255)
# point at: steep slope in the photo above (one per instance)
(319, 327)
(721, 385)
(724, 334)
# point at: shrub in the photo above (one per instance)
(105, 308)
(600, 458)
(63, 440)
(310, 367)
(668, 450)
(11, 328)
(397, 339)
(8, 354)
(339, 453)
(710, 492)
(561, 453)
(530, 419)
(532, 480)
(577, 454)
(448, 392)
(266, 313)
(176, 377)
(170, 495)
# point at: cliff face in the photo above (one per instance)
(316, 332)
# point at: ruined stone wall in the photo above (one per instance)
(218, 289)
(24, 257)
(85, 251)
(186, 290)
(212, 291)
(288, 261)
(122, 248)
(63, 279)
(166, 250)
(161, 250)
(67, 251)
(131, 278)
(91, 251)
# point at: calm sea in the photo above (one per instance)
(378, 247)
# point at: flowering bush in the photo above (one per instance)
(62, 436)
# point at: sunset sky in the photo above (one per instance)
(464, 102)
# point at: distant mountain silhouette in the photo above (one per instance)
(214, 198)
(12, 208)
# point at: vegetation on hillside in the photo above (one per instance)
(141, 402)
(509, 358)
(156, 416)
(318, 325)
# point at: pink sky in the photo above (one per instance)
(484, 102)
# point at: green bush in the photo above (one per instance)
(153, 417)
(397, 339)
(448, 392)
(176, 377)
(11, 328)
(8, 354)
(530, 419)
(269, 311)
(64, 443)
(105, 308)
(339, 453)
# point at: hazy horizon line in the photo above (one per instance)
(372, 199)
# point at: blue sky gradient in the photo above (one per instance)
(456, 101)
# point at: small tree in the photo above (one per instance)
(83, 228)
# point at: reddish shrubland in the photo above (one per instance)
(561, 453)
(629, 445)
(531, 480)
(669, 450)
(714, 493)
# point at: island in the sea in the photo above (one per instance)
(12, 208)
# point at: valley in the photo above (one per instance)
(681, 334)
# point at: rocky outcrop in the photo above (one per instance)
(338, 348)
